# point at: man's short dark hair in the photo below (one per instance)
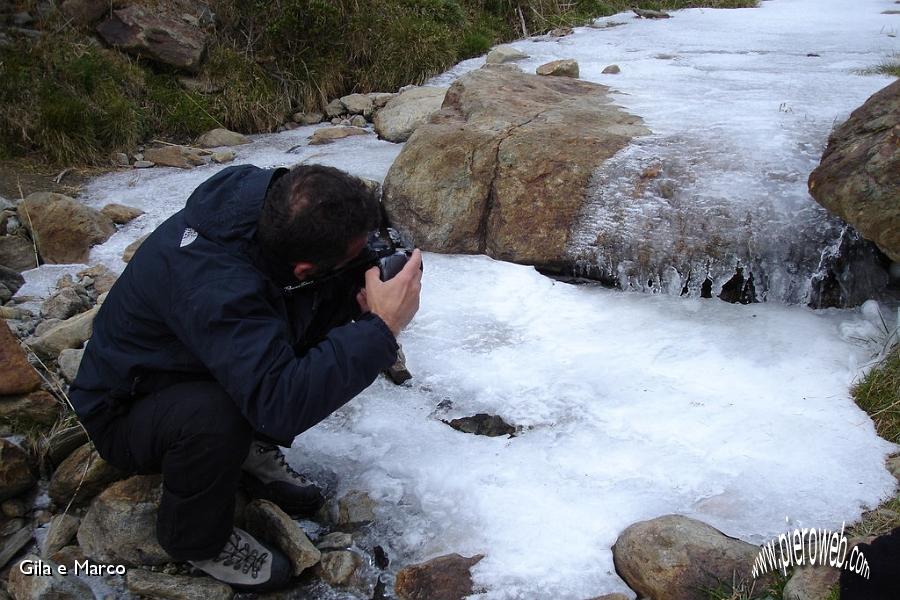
(312, 213)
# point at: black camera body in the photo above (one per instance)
(385, 248)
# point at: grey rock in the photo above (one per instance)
(120, 525)
(650, 14)
(504, 54)
(355, 508)
(15, 471)
(61, 530)
(221, 137)
(14, 509)
(811, 583)
(48, 587)
(182, 157)
(45, 326)
(559, 68)
(121, 214)
(133, 247)
(223, 156)
(612, 70)
(358, 104)
(36, 409)
(483, 424)
(10, 282)
(674, 556)
(337, 540)
(337, 568)
(120, 159)
(85, 12)
(335, 108)
(143, 164)
(155, 35)
(308, 118)
(176, 587)
(327, 135)
(69, 360)
(358, 121)
(71, 333)
(407, 111)
(63, 229)
(17, 253)
(446, 577)
(379, 99)
(80, 477)
(66, 302)
(11, 545)
(266, 521)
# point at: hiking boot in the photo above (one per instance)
(268, 475)
(247, 565)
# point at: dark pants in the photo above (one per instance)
(195, 436)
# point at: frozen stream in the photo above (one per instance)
(631, 405)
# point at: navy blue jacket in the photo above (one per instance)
(199, 300)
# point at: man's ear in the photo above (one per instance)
(303, 270)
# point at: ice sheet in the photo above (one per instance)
(632, 405)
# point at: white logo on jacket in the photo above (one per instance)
(188, 237)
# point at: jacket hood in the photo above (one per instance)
(226, 207)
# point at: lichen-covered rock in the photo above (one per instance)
(338, 568)
(69, 360)
(15, 471)
(101, 276)
(355, 508)
(17, 376)
(80, 477)
(266, 521)
(63, 229)
(442, 578)
(405, 112)
(10, 282)
(153, 34)
(859, 175)
(358, 104)
(176, 587)
(66, 302)
(504, 167)
(677, 558)
(120, 525)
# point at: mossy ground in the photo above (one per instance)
(66, 100)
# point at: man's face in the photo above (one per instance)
(308, 270)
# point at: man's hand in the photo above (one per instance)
(396, 300)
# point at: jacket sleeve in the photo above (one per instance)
(231, 326)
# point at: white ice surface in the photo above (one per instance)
(633, 406)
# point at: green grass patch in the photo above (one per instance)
(68, 100)
(878, 393)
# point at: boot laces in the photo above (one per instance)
(241, 557)
(282, 462)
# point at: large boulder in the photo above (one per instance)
(406, 111)
(859, 176)
(63, 229)
(503, 168)
(84, 12)
(17, 376)
(15, 472)
(678, 558)
(121, 214)
(152, 34)
(442, 578)
(120, 525)
(183, 157)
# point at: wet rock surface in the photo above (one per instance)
(482, 424)
(442, 578)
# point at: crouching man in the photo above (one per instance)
(202, 363)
